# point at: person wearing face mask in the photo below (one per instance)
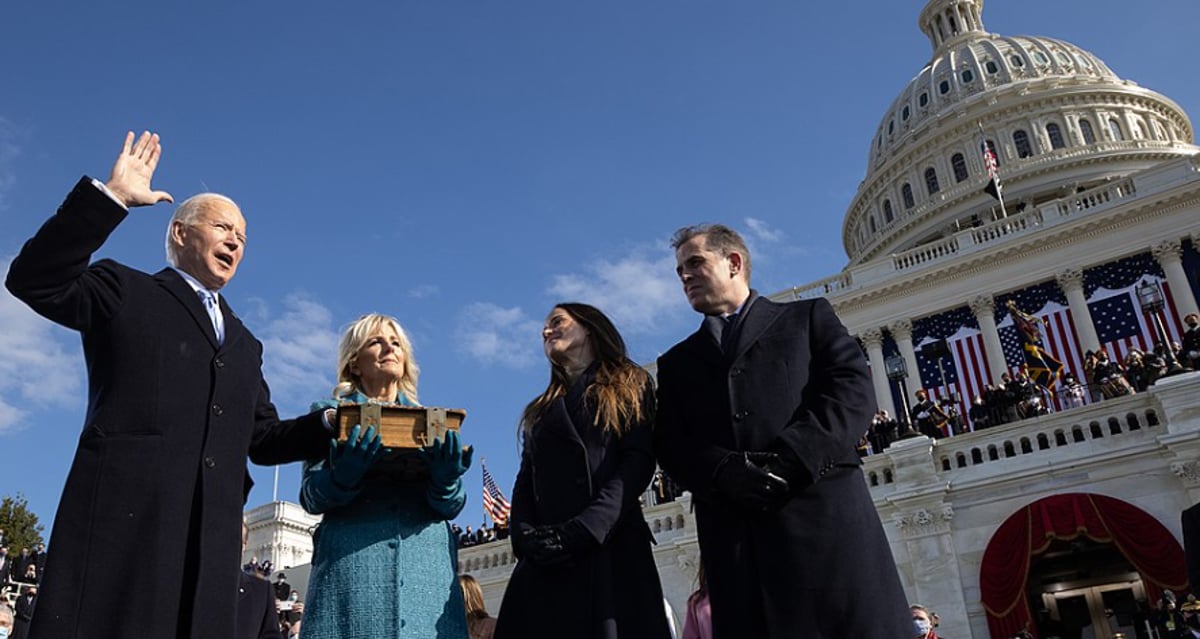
(384, 562)
(6, 621)
(26, 604)
(924, 622)
(584, 563)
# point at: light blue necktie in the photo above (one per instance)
(214, 313)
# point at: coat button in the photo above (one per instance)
(210, 462)
(734, 372)
(220, 363)
(217, 410)
(739, 416)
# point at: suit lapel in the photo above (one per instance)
(183, 292)
(704, 345)
(233, 325)
(763, 312)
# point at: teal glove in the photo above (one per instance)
(446, 459)
(351, 459)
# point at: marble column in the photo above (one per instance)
(1071, 283)
(873, 340)
(1170, 256)
(902, 332)
(984, 308)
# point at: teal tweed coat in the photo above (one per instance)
(384, 560)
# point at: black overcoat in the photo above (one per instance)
(256, 614)
(820, 566)
(571, 469)
(149, 524)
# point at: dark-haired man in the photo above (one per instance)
(759, 412)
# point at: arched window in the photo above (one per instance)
(1114, 127)
(1085, 130)
(1021, 141)
(871, 224)
(931, 181)
(906, 193)
(960, 167)
(888, 216)
(991, 66)
(1055, 135)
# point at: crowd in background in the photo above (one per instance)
(19, 577)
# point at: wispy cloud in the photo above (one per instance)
(9, 151)
(40, 363)
(299, 350)
(762, 231)
(423, 291)
(638, 291)
(495, 335)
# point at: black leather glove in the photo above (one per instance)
(560, 544)
(742, 477)
(523, 541)
(784, 463)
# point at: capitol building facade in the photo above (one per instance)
(1069, 518)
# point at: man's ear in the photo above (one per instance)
(735, 263)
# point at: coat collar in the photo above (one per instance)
(758, 313)
(182, 291)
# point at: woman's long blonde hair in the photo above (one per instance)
(352, 341)
(618, 393)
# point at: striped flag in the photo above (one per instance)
(991, 165)
(494, 503)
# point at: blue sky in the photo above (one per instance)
(465, 165)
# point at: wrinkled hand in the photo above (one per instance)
(351, 459)
(743, 478)
(131, 173)
(446, 459)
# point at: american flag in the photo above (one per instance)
(989, 163)
(965, 370)
(494, 503)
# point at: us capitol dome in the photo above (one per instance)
(1057, 117)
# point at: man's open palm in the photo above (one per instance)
(131, 173)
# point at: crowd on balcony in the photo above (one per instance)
(19, 576)
(1018, 397)
(482, 535)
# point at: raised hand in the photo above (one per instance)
(131, 173)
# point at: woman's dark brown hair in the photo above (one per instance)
(618, 392)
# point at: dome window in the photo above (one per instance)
(888, 215)
(871, 224)
(991, 66)
(904, 114)
(1055, 134)
(923, 100)
(1017, 61)
(931, 181)
(906, 193)
(959, 163)
(968, 76)
(944, 87)
(1114, 127)
(1021, 141)
(1085, 130)
(1040, 57)
(1063, 58)
(891, 126)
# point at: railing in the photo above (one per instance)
(1090, 202)
(1110, 424)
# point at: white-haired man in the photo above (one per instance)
(147, 527)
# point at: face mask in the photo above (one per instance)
(4, 633)
(294, 597)
(922, 627)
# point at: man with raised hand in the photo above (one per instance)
(147, 527)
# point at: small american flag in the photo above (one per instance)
(494, 503)
(989, 163)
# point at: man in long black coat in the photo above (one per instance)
(147, 527)
(759, 412)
